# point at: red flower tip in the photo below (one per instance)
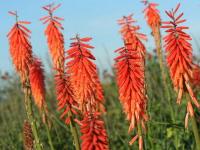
(83, 74)
(93, 131)
(179, 54)
(65, 96)
(36, 76)
(129, 31)
(50, 18)
(152, 16)
(145, 2)
(20, 47)
(54, 36)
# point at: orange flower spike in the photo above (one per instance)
(65, 95)
(130, 80)
(19, 45)
(179, 54)
(83, 74)
(54, 35)
(152, 15)
(36, 76)
(131, 35)
(130, 76)
(94, 136)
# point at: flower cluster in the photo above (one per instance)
(179, 56)
(152, 15)
(36, 76)
(54, 36)
(65, 96)
(88, 93)
(83, 74)
(94, 134)
(20, 47)
(130, 76)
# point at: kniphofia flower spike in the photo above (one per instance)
(54, 35)
(36, 77)
(65, 96)
(88, 93)
(130, 77)
(179, 56)
(152, 15)
(94, 136)
(20, 47)
(130, 32)
(83, 74)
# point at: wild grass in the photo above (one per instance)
(162, 133)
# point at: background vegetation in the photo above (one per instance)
(165, 129)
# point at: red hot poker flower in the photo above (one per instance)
(179, 54)
(131, 35)
(36, 77)
(130, 76)
(93, 131)
(83, 74)
(55, 38)
(130, 79)
(152, 15)
(20, 47)
(65, 96)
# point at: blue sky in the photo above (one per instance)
(95, 18)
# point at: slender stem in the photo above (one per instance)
(157, 38)
(194, 127)
(49, 137)
(140, 135)
(47, 128)
(30, 115)
(74, 131)
(196, 132)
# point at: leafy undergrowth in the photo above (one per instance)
(165, 128)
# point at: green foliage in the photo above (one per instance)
(163, 131)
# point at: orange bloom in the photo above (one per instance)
(20, 47)
(152, 15)
(54, 36)
(179, 54)
(65, 95)
(130, 34)
(130, 76)
(179, 58)
(36, 77)
(93, 131)
(83, 74)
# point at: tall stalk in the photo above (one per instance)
(47, 130)
(195, 132)
(74, 132)
(194, 127)
(30, 115)
(158, 43)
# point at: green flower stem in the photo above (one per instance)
(30, 115)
